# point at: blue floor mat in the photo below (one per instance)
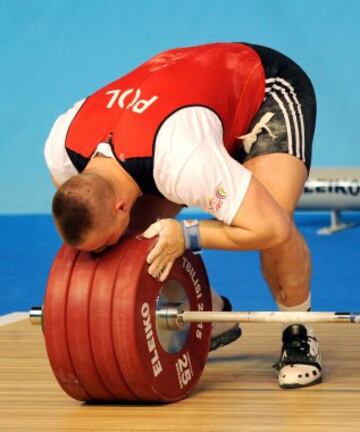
(29, 244)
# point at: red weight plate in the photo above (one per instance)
(152, 373)
(100, 323)
(55, 323)
(77, 325)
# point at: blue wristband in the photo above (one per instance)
(191, 235)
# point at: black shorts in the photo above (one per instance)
(291, 98)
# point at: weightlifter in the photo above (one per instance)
(226, 127)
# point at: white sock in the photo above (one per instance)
(303, 307)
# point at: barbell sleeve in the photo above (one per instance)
(35, 315)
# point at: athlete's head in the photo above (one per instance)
(88, 214)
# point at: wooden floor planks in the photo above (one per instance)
(238, 390)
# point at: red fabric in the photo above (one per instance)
(225, 77)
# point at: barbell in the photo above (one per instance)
(114, 333)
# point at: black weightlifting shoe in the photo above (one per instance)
(300, 361)
(221, 333)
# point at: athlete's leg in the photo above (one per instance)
(278, 151)
(287, 270)
(287, 267)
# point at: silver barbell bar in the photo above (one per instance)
(266, 317)
(174, 319)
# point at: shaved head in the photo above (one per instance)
(83, 203)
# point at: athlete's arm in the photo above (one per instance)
(56, 157)
(259, 223)
(193, 167)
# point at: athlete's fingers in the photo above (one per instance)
(152, 231)
(170, 245)
(165, 273)
(157, 250)
(158, 265)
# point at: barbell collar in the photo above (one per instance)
(35, 315)
(168, 319)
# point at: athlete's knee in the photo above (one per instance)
(280, 229)
(284, 231)
(292, 242)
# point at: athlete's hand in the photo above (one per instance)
(170, 245)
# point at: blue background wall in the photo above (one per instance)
(54, 53)
(30, 242)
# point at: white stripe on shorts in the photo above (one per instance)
(289, 87)
(294, 117)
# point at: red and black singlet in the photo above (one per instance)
(227, 78)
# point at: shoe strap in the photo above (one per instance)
(297, 348)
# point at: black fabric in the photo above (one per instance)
(78, 160)
(141, 170)
(278, 65)
(227, 305)
(225, 338)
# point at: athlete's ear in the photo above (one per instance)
(122, 205)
